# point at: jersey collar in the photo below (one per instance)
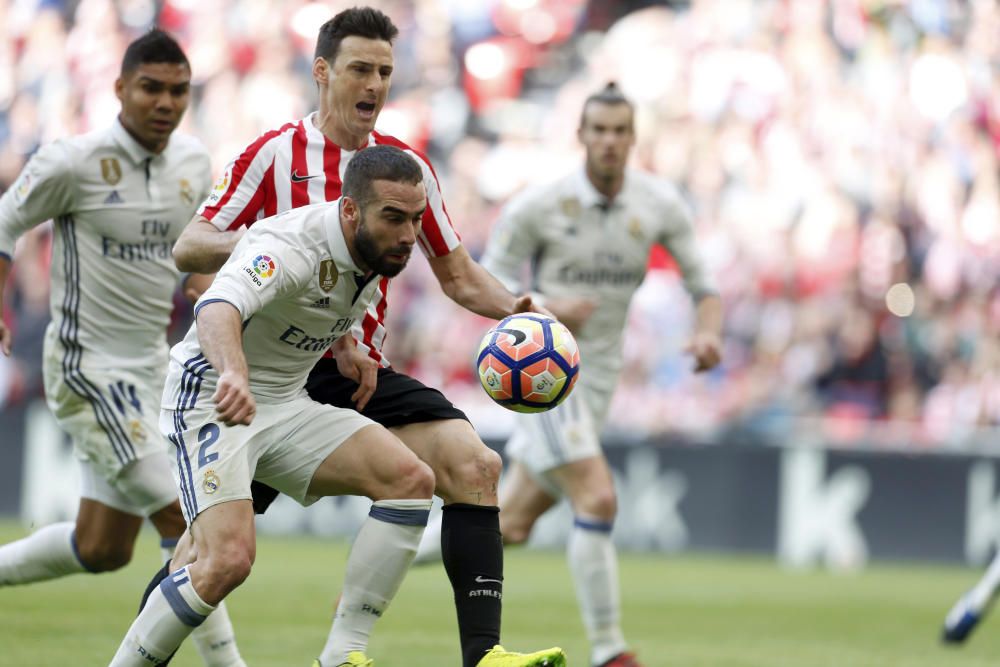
(135, 151)
(338, 244)
(313, 133)
(589, 196)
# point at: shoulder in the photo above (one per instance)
(188, 146)
(270, 140)
(389, 140)
(542, 197)
(653, 189)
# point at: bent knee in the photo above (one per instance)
(227, 569)
(471, 475)
(415, 479)
(106, 557)
(601, 504)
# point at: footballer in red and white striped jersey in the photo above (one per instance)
(297, 165)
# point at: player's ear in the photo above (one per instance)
(321, 70)
(120, 89)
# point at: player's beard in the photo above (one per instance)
(375, 260)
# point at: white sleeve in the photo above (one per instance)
(42, 191)
(678, 238)
(255, 276)
(514, 240)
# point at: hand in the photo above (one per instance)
(525, 304)
(6, 336)
(233, 400)
(706, 348)
(358, 366)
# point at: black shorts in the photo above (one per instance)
(398, 400)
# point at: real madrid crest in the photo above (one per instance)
(327, 275)
(635, 228)
(570, 207)
(211, 482)
(137, 431)
(111, 170)
(187, 193)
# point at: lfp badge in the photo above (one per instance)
(263, 266)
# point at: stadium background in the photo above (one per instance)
(841, 158)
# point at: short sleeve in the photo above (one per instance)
(514, 240)
(255, 276)
(43, 190)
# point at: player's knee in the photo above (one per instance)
(415, 480)
(227, 567)
(104, 556)
(599, 503)
(476, 474)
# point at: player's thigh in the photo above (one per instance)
(465, 469)
(319, 450)
(373, 462)
(545, 441)
(211, 463)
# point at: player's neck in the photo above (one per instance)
(153, 147)
(609, 186)
(325, 123)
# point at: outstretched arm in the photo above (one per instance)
(471, 286)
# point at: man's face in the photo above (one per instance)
(154, 97)
(389, 225)
(607, 134)
(357, 82)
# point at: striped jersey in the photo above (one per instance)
(118, 209)
(296, 165)
(579, 244)
(297, 290)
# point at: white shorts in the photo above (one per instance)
(282, 447)
(143, 487)
(567, 433)
(110, 414)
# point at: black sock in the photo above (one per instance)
(472, 551)
(160, 575)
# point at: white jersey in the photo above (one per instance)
(117, 209)
(580, 245)
(292, 279)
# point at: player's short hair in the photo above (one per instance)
(378, 163)
(156, 46)
(610, 95)
(366, 22)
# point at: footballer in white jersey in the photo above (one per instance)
(587, 238)
(119, 198)
(235, 407)
(117, 209)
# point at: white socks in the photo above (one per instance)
(214, 639)
(172, 611)
(48, 553)
(593, 563)
(379, 559)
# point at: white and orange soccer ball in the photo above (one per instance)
(528, 362)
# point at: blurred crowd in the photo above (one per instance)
(841, 157)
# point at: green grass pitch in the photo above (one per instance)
(710, 611)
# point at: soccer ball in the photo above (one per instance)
(528, 362)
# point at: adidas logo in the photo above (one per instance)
(113, 198)
(321, 303)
